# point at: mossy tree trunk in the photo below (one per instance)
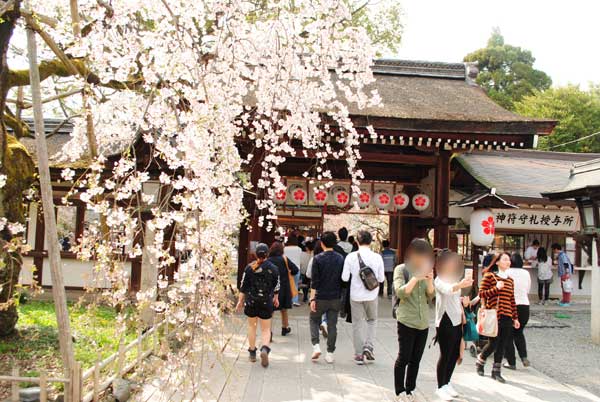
(16, 163)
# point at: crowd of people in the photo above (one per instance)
(342, 277)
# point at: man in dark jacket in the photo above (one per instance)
(326, 292)
(258, 297)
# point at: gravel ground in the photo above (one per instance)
(561, 348)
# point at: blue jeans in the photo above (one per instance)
(296, 299)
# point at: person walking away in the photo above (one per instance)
(565, 270)
(318, 250)
(497, 292)
(287, 269)
(293, 252)
(326, 293)
(258, 297)
(544, 274)
(305, 258)
(364, 267)
(414, 289)
(389, 263)
(531, 253)
(448, 318)
(344, 244)
(522, 283)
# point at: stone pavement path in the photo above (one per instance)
(293, 377)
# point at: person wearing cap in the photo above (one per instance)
(258, 298)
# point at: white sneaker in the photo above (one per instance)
(443, 394)
(410, 398)
(451, 391)
(316, 352)
(329, 358)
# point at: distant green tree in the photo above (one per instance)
(506, 72)
(382, 20)
(577, 112)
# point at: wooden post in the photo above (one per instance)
(58, 288)
(14, 385)
(595, 325)
(76, 385)
(44, 386)
(97, 378)
(442, 199)
(120, 356)
(140, 349)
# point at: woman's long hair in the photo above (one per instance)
(542, 255)
(276, 249)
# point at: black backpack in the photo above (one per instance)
(367, 275)
(395, 300)
(262, 286)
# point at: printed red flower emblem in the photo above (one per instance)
(399, 200)
(299, 195)
(320, 195)
(342, 197)
(489, 227)
(420, 201)
(281, 194)
(384, 199)
(364, 198)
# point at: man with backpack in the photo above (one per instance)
(364, 268)
(258, 297)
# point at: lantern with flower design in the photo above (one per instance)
(320, 196)
(340, 196)
(382, 199)
(364, 199)
(297, 194)
(280, 196)
(421, 202)
(401, 201)
(482, 227)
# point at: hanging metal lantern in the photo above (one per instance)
(401, 201)
(297, 194)
(421, 202)
(382, 199)
(482, 227)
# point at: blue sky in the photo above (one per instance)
(562, 35)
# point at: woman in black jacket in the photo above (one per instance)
(284, 265)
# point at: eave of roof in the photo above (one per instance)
(584, 180)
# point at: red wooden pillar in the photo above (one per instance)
(442, 200)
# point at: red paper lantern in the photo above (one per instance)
(401, 201)
(421, 202)
(364, 199)
(482, 227)
(382, 199)
(320, 196)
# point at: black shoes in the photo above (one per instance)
(480, 366)
(252, 355)
(264, 356)
(285, 331)
(510, 366)
(526, 362)
(496, 375)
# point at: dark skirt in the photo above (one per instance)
(285, 292)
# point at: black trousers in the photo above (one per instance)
(389, 278)
(411, 347)
(544, 290)
(518, 337)
(448, 337)
(497, 345)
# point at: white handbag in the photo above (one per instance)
(487, 319)
(567, 285)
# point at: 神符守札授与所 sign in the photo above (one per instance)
(537, 219)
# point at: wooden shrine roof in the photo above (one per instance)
(522, 173)
(583, 178)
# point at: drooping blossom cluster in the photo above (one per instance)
(194, 95)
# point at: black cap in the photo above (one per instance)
(262, 250)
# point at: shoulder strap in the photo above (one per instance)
(361, 263)
(286, 262)
(254, 265)
(406, 274)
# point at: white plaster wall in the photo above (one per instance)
(77, 273)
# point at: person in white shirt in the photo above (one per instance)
(343, 243)
(522, 285)
(363, 302)
(449, 318)
(294, 253)
(531, 253)
(544, 274)
(305, 258)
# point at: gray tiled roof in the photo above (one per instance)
(520, 173)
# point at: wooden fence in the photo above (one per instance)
(89, 385)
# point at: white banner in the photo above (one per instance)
(538, 220)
